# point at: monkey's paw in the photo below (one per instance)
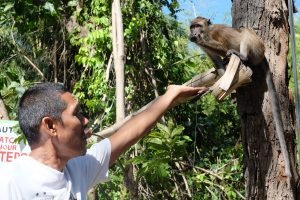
(233, 51)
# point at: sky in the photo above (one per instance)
(219, 11)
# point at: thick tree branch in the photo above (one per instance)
(204, 79)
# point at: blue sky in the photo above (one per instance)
(219, 11)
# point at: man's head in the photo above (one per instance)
(51, 119)
(37, 102)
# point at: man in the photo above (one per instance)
(59, 166)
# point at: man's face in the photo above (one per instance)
(72, 131)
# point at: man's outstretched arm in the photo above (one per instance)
(139, 125)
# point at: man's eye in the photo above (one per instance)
(80, 113)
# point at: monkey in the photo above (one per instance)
(219, 41)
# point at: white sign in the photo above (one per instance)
(9, 150)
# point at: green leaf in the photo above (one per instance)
(8, 7)
(155, 141)
(72, 3)
(177, 131)
(50, 7)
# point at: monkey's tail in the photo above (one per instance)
(277, 117)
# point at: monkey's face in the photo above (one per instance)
(198, 28)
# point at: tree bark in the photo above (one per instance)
(264, 165)
(118, 55)
(3, 110)
(119, 62)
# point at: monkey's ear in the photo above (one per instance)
(208, 22)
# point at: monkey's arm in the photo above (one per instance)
(218, 62)
(214, 46)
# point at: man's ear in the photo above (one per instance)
(48, 125)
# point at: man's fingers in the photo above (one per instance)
(202, 90)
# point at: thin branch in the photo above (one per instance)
(11, 57)
(243, 197)
(176, 185)
(184, 180)
(211, 192)
(35, 67)
(108, 68)
(20, 51)
(153, 81)
(205, 171)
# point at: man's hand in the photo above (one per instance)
(182, 93)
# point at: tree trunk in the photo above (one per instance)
(118, 52)
(3, 111)
(263, 160)
(119, 62)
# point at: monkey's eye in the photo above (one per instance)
(196, 26)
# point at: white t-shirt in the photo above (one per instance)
(28, 179)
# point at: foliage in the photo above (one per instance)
(164, 146)
(114, 189)
(12, 77)
(222, 179)
(94, 52)
(215, 131)
(25, 41)
(291, 74)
